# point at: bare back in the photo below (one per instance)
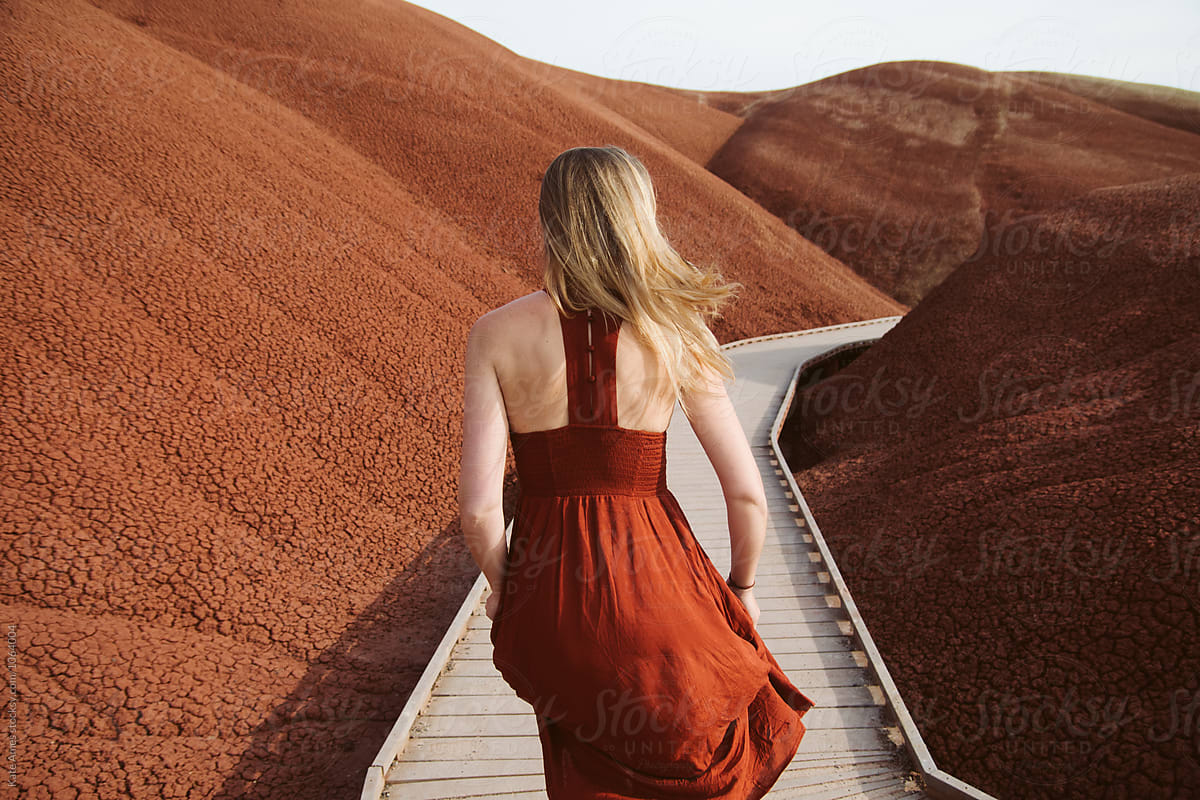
(531, 368)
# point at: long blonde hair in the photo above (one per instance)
(603, 249)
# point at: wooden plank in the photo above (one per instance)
(803, 763)
(509, 703)
(822, 677)
(780, 618)
(777, 633)
(849, 788)
(789, 662)
(713, 516)
(539, 795)
(770, 549)
(525, 724)
(438, 779)
(826, 776)
(829, 742)
(496, 785)
(474, 768)
(817, 644)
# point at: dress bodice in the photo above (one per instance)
(591, 454)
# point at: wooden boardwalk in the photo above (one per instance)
(465, 734)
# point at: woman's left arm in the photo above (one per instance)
(484, 454)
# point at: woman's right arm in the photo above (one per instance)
(716, 424)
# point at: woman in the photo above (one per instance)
(641, 662)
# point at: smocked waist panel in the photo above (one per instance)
(579, 459)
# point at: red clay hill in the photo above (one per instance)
(242, 248)
(1008, 479)
(893, 168)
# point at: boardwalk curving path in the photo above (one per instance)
(465, 734)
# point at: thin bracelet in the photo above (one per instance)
(729, 580)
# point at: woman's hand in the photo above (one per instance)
(747, 598)
(492, 606)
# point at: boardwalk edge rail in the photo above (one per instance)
(939, 784)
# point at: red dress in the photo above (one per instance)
(645, 672)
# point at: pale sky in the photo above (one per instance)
(758, 44)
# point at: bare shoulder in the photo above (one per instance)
(513, 317)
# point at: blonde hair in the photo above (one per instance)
(603, 249)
